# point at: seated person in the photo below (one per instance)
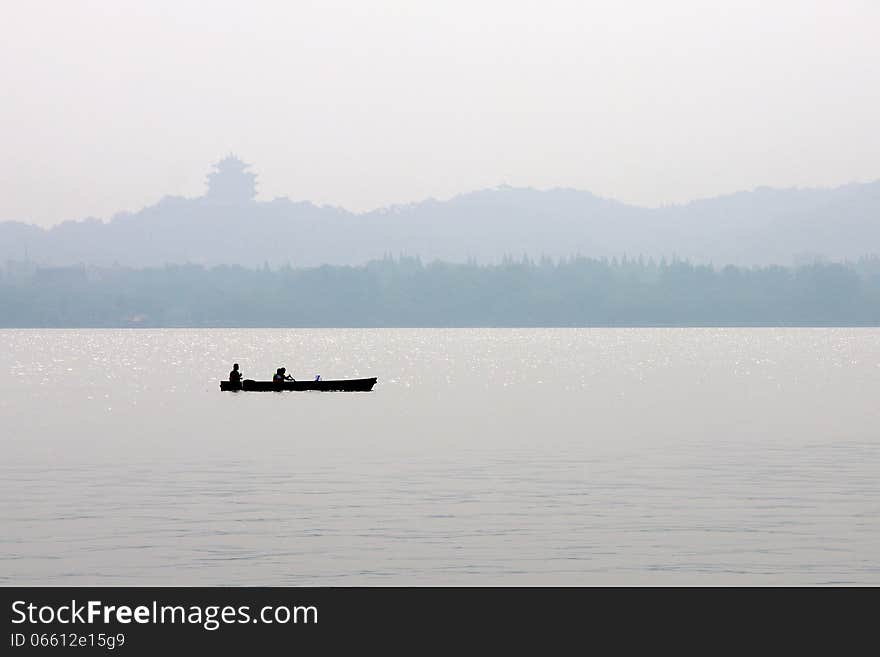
(235, 375)
(281, 376)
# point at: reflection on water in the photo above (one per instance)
(558, 456)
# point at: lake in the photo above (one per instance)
(483, 456)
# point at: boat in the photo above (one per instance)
(343, 385)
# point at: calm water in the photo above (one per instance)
(483, 457)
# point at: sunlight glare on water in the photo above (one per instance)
(484, 456)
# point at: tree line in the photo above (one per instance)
(407, 292)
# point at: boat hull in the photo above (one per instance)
(347, 385)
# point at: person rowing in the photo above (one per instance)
(281, 376)
(235, 375)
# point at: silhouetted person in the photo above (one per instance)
(281, 376)
(235, 375)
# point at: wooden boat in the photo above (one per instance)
(345, 385)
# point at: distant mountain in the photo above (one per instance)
(226, 226)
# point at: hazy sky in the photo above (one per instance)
(109, 105)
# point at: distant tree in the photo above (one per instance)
(577, 291)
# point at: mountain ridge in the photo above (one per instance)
(762, 226)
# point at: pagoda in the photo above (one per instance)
(230, 182)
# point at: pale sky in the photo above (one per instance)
(109, 105)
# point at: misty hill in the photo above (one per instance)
(227, 226)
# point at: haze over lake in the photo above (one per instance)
(484, 456)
